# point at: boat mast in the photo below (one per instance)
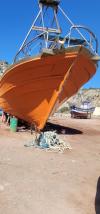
(49, 32)
(44, 4)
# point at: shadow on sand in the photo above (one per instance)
(97, 198)
(61, 129)
(23, 127)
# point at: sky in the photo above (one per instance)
(16, 17)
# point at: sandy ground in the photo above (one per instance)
(45, 182)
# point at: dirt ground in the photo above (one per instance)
(47, 182)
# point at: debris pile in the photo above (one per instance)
(51, 141)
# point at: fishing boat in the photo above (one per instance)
(50, 66)
(84, 111)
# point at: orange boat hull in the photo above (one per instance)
(33, 88)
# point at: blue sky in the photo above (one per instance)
(16, 17)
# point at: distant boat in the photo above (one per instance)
(85, 111)
(37, 84)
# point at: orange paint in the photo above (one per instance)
(33, 88)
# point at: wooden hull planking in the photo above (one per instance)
(34, 88)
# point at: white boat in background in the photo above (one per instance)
(85, 111)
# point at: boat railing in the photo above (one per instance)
(89, 42)
(78, 29)
(50, 36)
(27, 44)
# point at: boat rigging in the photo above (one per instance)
(48, 37)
